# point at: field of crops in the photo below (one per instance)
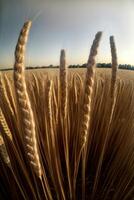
(122, 74)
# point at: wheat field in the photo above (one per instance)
(66, 134)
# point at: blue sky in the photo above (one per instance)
(69, 24)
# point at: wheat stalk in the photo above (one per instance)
(89, 83)
(28, 121)
(110, 111)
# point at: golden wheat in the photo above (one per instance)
(89, 83)
(114, 65)
(63, 84)
(74, 129)
(27, 117)
(3, 152)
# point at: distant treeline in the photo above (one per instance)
(99, 65)
(105, 65)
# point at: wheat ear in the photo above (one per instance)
(5, 129)
(26, 112)
(4, 125)
(10, 94)
(114, 65)
(49, 97)
(89, 83)
(3, 152)
(63, 83)
(4, 95)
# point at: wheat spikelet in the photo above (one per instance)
(8, 87)
(55, 105)
(30, 141)
(3, 152)
(114, 65)
(4, 96)
(63, 83)
(48, 102)
(114, 76)
(4, 125)
(5, 130)
(89, 83)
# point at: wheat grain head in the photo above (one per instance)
(26, 112)
(63, 83)
(114, 65)
(89, 83)
(3, 152)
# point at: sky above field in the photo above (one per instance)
(68, 24)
